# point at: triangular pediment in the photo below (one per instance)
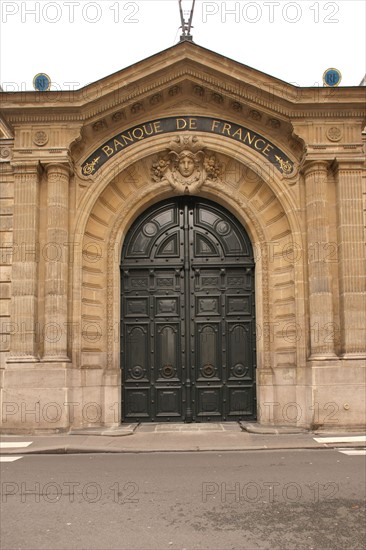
(184, 80)
(163, 74)
(145, 84)
(207, 77)
(190, 80)
(188, 92)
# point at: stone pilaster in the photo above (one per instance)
(320, 287)
(352, 276)
(24, 306)
(56, 263)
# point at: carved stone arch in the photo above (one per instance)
(281, 185)
(271, 228)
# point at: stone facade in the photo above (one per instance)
(65, 213)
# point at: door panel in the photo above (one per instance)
(188, 327)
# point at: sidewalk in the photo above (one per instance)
(144, 438)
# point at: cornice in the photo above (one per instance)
(282, 99)
(341, 114)
(39, 118)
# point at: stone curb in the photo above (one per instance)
(79, 449)
(59, 449)
(268, 430)
(109, 433)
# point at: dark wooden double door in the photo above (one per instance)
(188, 315)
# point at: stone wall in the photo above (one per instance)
(62, 233)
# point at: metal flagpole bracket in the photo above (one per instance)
(186, 26)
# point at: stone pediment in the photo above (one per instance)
(184, 80)
(152, 81)
(210, 75)
(187, 90)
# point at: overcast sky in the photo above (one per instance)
(80, 41)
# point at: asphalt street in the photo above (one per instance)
(278, 500)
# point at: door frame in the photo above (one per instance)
(278, 367)
(227, 389)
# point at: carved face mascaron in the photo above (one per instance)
(186, 164)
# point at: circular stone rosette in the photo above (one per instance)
(40, 138)
(334, 133)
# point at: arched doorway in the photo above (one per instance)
(188, 315)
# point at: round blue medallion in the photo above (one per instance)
(42, 82)
(332, 77)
